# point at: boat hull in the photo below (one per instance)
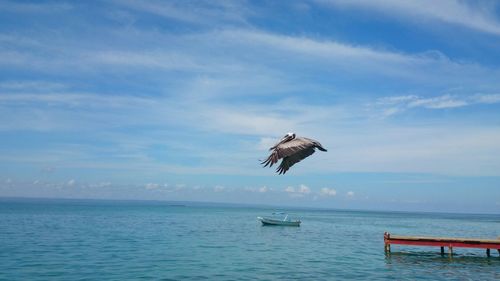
(268, 221)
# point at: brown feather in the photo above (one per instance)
(289, 161)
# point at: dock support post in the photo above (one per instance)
(387, 245)
(387, 248)
(450, 251)
(442, 251)
(488, 253)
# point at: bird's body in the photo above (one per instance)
(292, 150)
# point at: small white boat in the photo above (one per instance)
(278, 221)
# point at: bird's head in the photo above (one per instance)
(288, 137)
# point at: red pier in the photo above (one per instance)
(442, 242)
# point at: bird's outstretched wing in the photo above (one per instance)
(287, 149)
(289, 161)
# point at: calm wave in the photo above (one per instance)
(104, 240)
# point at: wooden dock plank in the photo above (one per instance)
(450, 242)
(445, 239)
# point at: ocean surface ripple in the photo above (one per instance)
(106, 240)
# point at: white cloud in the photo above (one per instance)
(396, 99)
(162, 60)
(443, 149)
(48, 169)
(487, 99)
(152, 186)
(71, 182)
(350, 194)
(445, 101)
(399, 104)
(101, 184)
(86, 100)
(342, 126)
(206, 13)
(249, 121)
(35, 8)
(328, 191)
(219, 188)
(296, 195)
(314, 48)
(263, 189)
(35, 86)
(265, 143)
(479, 15)
(188, 53)
(304, 189)
(363, 147)
(299, 192)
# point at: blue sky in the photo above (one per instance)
(178, 100)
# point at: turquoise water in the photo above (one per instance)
(105, 240)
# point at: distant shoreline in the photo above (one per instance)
(224, 204)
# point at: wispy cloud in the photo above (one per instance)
(265, 55)
(212, 100)
(479, 16)
(383, 148)
(166, 60)
(20, 7)
(74, 99)
(325, 191)
(206, 13)
(398, 104)
(263, 189)
(152, 186)
(304, 189)
(325, 49)
(34, 86)
(298, 192)
(219, 188)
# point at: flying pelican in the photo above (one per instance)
(292, 150)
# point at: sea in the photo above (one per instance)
(55, 239)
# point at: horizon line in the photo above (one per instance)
(252, 205)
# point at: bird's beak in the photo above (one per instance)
(285, 139)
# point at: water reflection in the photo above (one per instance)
(433, 257)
